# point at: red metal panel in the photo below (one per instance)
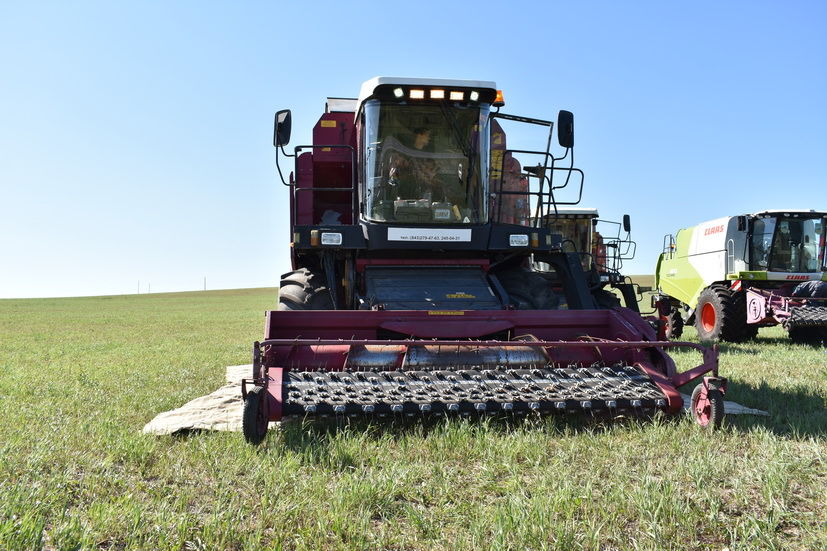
(274, 390)
(334, 129)
(361, 324)
(673, 397)
(304, 199)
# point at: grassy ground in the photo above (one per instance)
(80, 377)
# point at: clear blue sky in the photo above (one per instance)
(135, 138)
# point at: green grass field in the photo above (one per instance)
(81, 376)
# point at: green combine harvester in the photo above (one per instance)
(730, 276)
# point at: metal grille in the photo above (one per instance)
(466, 391)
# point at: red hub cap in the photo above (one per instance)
(708, 317)
(702, 408)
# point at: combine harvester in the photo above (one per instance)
(601, 254)
(414, 239)
(733, 275)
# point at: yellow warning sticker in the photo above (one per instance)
(325, 149)
(446, 313)
(460, 294)
(328, 124)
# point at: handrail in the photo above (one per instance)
(730, 256)
(353, 189)
(546, 202)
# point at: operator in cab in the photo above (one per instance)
(414, 175)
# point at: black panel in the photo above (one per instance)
(419, 288)
(570, 271)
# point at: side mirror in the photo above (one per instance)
(742, 223)
(565, 129)
(627, 223)
(281, 128)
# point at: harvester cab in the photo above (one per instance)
(415, 235)
(731, 276)
(602, 245)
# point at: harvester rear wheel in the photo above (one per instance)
(674, 325)
(254, 420)
(707, 406)
(304, 289)
(721, 315)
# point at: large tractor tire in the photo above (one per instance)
(606, 299)
(528, 290)
(674, 324)
(721, 315)
(304, 289)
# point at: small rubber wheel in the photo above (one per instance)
(707, 406)
(254, 420)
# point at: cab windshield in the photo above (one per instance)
(788, 244)
(577, 235)
(425, 163)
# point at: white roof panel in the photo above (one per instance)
(790, 211)
(341, 105)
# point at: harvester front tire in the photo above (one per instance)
(304, 289)
(674, 325)
(254, 420)
(605, 299)
(721, 315)
(707, 407)
(528, 290)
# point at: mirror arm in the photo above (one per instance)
(279, 168)
(286, 154)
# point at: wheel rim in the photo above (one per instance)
(708, 317)
(702, 408)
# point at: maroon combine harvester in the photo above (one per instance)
(415, 244)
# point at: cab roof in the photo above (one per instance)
(791, 211)
(579, 211)
(369, 86)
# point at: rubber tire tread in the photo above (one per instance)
(730, 315)
(606, 300)
(249, 418)
(304, 289)
(808, 335)
(717, 410)
(674, 325)
(529, 290)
